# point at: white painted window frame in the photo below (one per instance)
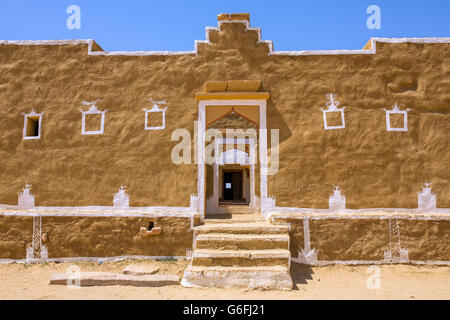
(25, 124)
(93, 111)
(332, 106)
(327, 127)
(396, 110)
(155, 109)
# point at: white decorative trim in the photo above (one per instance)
(90, 43)
(212, 203)
(121, 199)
(332, 106)
(132, 212)
(25, 124)
(425, 199)
(97, 259)
(92, 111)
(395, 253)
(396, 110)
(155, 109)
(194, 203)
(336, 201)
(200, 138)
(371, 213)
(306, 255)
(378, 262)
(25, 198)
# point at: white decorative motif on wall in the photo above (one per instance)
(396, 110)
(396, 253)
(121, 198)
(155, 109)
(426, 200)
(92, 111)
(307, 255)
(332, 107)
(336, 201)
(32, 125)
(194, 202)
(26, 199)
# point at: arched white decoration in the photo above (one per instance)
(234, 156)
(32, 114)
(121, 198)
(26, 199)
(336, 201)
(396, 110)
(332, 106)
(155, 109)
(92, 111)
(426, 200)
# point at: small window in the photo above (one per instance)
(93, 121)
(155, 118)
(32, 125)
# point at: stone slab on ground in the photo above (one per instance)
(140, 269)
(110, 279)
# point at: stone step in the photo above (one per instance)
(108, 279)
(242, 228)
(261, 277)
(225, 241)
(206, 257)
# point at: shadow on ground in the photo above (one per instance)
(300, 273)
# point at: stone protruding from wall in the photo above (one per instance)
(26, 199)
(232, 86)
(233, 17)
(336, 201)
(426, 200)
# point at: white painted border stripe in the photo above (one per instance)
(379, 262)
(90, 43)
(357, 216)
(94, 259)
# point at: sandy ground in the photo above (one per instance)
(24, 281)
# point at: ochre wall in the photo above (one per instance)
(367, 238)
(99, 237)
(373, 167)
(15, 236)
(96, 237)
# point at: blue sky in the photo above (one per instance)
(174, 25)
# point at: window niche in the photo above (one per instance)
(396, 119)
(93, 120)
(333, 117)
(32, 125)
(155, 118)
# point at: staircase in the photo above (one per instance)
(240, 253)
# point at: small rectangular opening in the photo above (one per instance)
(32, 129)
(334, 119)
(396, 120)
(93, 122)
(155, 119)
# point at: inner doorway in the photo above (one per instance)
(232, 186)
